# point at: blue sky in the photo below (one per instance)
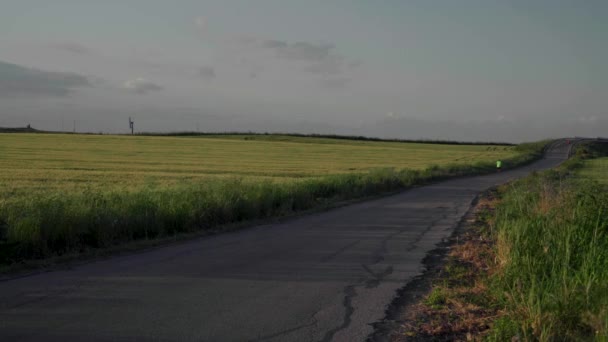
(516, 70)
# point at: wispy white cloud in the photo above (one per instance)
(321, 60)
(302, 51)
(141, 86)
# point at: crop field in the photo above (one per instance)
(68, 193)
(42, 162)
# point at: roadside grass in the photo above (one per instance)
(534, 268)
(552, 256)
(109, 190)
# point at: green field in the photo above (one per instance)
(41, 162)
(69, 193)
(596, 169)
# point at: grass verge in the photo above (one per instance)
(57, 223)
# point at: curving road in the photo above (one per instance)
(323, 277)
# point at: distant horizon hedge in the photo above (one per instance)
(305, 135)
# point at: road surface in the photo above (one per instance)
(322, 277)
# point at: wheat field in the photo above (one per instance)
(40, 162)
(63, 193)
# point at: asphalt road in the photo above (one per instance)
(322, 277)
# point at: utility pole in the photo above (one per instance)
(131, 125)
(74, 126)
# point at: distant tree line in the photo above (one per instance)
(332, 136)
(312, 135)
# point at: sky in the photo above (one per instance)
(500, 70)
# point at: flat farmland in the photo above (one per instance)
(63, 193)
(42, 162)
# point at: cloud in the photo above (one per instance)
(301, 51)
(328, 66)
(588, 119)
(391, 115)
(273, 44)
(72, 47)
(16, 80)
(207, 72)
(354, 64)
(321, 58)
(141, 86)
(336, 82)
(201, 23)
(245, 40)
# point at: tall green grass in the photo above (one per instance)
(55, 223)
(551, 234)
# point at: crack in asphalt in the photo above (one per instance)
(385, 326)
(284, 332)
(378, 254)
(338, 252)
(349, 294)
(376, 278)
(414, 244)
(370, 282)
